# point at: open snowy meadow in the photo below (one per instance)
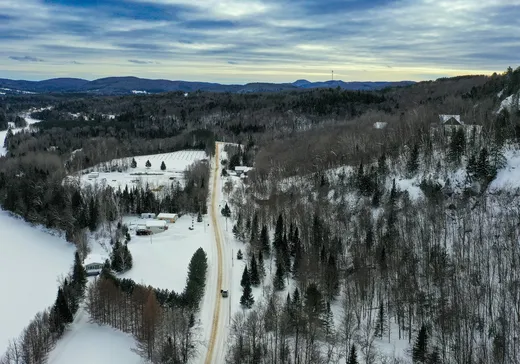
(119, 173)
(32, 260)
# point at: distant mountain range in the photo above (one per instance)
(135, 85)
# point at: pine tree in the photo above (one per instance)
(133, 164)
(279, 277)
(381, 321)
(255, 276)
(246, 278)
(413, 162)
(79, 276)
(264, 240)
(247, 298)
(352, 358)
(420, 349)
(61, 314)
(331, 278)
(226, 211)
(329, 323)
(457, 145)
(254, 229)
(240, 255)
(278, 233)
(93, 215)
(434, 357)
(148, 164)
(261, 267)
(163, 166)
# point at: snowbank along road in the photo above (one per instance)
(216, 343)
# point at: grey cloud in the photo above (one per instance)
(26, 59)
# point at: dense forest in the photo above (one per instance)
(357, 257)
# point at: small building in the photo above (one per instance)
(171, 218)
(147, 215)
(451, 120)
(93, 175)
(142, 230)
(156, 226)
(242, 170)
(94, 264)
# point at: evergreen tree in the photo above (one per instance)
(264, 240)
(331, 278)
(420, 349)
(199, 217)
(226, 211)
(163, 166)
(315, 306)
(246, 278)
(133, 164)
(240, 255)
(376, 197)
(254, 229)
(381, 321)
(457, 145)
(434, 357)
(413, 162)
(329, 323)
(61, 314)
(247, 298)
(255, 276)
(93, 215)
(79, 276)
(121, 258)
(278, 233)
(261, 267)
(352, 358)
(279, 277)
(148, 164)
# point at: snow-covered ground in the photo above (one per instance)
(161, 260)
(32, 261)
(30, 121)
(85, 343)
(175, 162)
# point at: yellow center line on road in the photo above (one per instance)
(216, 227)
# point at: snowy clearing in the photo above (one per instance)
(161, 260)
(30, 121)
(31, 260)
(85, 342)
(175, 162)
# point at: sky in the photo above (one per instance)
(238, 41)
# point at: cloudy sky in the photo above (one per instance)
(258, 40)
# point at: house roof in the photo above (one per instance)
(445, 118)
(159, 223)
(242, 168)
(167, 215)
(95, 258)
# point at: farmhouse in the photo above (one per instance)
(156, 226)
(147, 215)
(167, 217)
(94, 264)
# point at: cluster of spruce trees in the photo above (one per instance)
(162, 321)
(47, 327)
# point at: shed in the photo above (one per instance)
(94, 264)
(451, 120)
(147, 215)
(167, 217)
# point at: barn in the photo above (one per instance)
(171, 218)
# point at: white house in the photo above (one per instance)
(167, 217)
(94, 264)
(147, 215)
(239, 170)
(93, 175)
(156, 226)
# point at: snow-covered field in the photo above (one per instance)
(30, 121)
(176, 163)
(31, 261)
(161, 260)
(85, 343)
